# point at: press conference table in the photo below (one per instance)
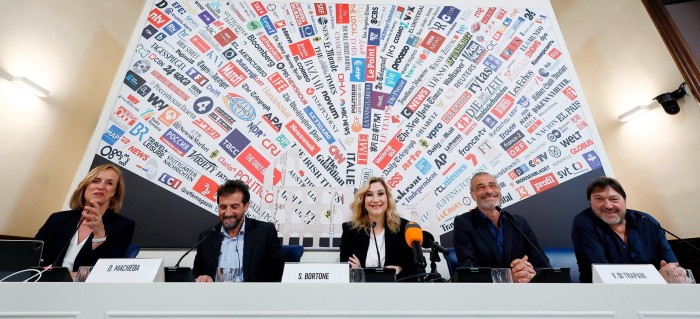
(369, 300)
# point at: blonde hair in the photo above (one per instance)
(77, 200)
(360, 218)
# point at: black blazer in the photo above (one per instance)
(60, 228)
(476, 247)
(263, 259)
(398, 253)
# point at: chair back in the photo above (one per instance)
(452, 263)
(563, 257)
(133, 251)
(292, 253)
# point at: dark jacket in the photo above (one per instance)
(596, 243)
(263, 259)
(60, 228)
(476, 246)
(398, 253)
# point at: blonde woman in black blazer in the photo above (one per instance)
(374, 205)
(92, 229)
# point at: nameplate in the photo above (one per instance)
(316, 273)
(126, 270)
(626, 274)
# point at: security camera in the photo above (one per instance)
(669, 100)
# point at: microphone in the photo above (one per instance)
(503, 212)
(379, 258)
(670, 233)
(211, 231)
(184, 274)
(414, 238)
(429, 242)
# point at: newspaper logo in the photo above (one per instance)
(268, 25)
(358, 71)
(112, 134)
(234, 143)
(225, 37)
(148, 31)
(239, 106)
(544, 182)
(200, 44)
(207, 187)
(373, 35)
(342, 13)
(172, 28)
(169, 116)
(176, 142)
(254, 162)
(303, 138)
(433, 41)
(592, 159)
(170, 181)
(232, 74)
(158, 18)
(203, 105)
(493, 63)
(133, 80)
(206, 17)
(303, 49)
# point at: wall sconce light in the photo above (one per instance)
(25, 83)
(636, 112)
(668, 100)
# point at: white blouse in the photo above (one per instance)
(371, 260)
(73, 250)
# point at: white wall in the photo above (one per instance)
(622, 62)
(73, 48)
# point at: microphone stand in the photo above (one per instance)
(434, 258)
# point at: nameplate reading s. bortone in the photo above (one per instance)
(316, 273)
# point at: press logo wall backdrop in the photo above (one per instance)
(306, 101)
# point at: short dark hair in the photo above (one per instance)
(233, 186)
(471, 187)
(603, 182)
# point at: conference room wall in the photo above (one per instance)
(618, 54)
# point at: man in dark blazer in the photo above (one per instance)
(486, 236)
(249, 248)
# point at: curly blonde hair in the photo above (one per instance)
(77, 200)
(360, 218)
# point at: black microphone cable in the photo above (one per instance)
(211, 231)
(503, 212)
(379, 258)
(670, 233)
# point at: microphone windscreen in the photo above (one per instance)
(413, 234)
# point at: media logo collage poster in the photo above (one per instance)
(306, 101)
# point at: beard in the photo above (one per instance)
(230, 223)
(489, 203)
(616, 221)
